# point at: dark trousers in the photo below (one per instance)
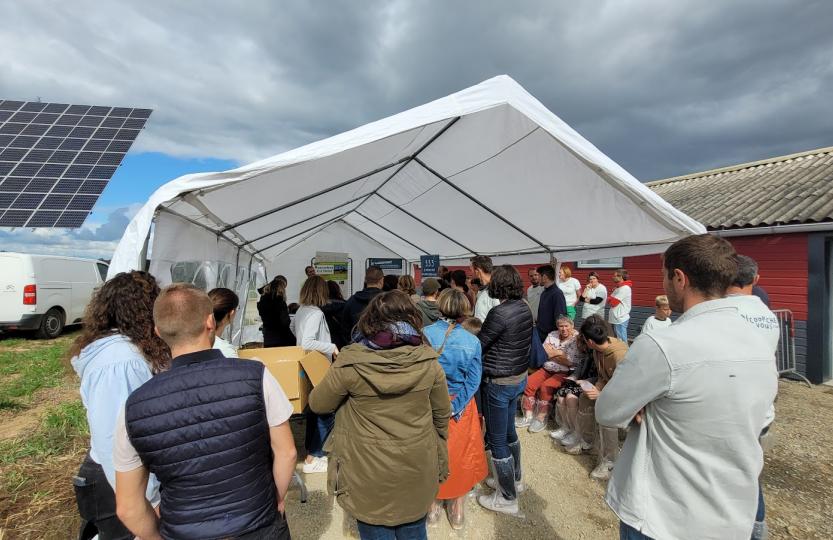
(499, 405)
(319, 428)
(278, 530)
(406, 531)
(97, 504)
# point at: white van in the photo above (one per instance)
(46, 292)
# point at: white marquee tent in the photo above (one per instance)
(487, 170)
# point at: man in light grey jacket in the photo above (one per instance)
(696, 395)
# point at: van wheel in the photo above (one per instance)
(52, 324)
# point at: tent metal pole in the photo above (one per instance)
(414, 155)
(319, 228)
(436, 230)
(480, 204)
(308, 218)
(391, 232)
(296, 235)
(314, 195)
(361, 232)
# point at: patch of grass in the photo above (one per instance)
(35, 369)
(62, 426)
(12, 342)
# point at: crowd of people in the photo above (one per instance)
(419, 407)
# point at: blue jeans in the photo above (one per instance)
(318, 429)
(626, 532)
(406, 531)
(761, 514)
(621, 330)
(499, 404)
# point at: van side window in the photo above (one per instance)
(102, 270)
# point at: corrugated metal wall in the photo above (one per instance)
(782, 261)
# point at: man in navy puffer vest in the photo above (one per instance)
(213, 430)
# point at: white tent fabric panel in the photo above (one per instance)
(275, 242)
(413, 229)
(391, 241)
(489, 167)
(306, 178)
(431, 199)
(477, 138)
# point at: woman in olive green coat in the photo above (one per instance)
(388, 450)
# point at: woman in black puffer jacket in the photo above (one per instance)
(505, 338)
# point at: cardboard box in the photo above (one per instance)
(296, 370)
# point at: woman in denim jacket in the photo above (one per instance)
(460, 358)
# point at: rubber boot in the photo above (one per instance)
(455, 509)
(527, 405)
(539, 421)
(562, 420)
(515, 450)
(435, 512)
(505, 498)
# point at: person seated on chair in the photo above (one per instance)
(561, 347)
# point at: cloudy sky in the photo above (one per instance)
(664, 88)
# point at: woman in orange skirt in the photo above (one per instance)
(460, 358)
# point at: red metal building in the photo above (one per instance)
(778, 211)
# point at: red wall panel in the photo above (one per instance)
(782, 262)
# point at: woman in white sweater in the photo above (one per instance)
(309, 325)
(313, 334)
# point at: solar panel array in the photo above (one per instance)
(56, 159)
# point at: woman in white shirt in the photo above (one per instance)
(593, 296)
(225, 308)
(571, 288)
(312, 333)
(309, 324)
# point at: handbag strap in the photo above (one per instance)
(447, 333)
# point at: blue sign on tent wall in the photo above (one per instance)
(429, 265)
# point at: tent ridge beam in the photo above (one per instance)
(340, 205)
(414, 156)
(314, 195)
(480, 204)
(412, 216)
(391, 232)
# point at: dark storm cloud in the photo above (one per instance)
(664, 88)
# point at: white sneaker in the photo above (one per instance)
(559, 433)
(317, 465)
(570, 439)
(578, 448)
(602, 471)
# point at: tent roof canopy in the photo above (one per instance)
(488, 170)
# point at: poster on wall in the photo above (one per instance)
(429, 265)
(335, 267)
(394, 267)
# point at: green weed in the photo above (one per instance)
(23, 373)
(61, 427)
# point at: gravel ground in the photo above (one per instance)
(562, 502)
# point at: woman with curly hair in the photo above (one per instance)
(116, 352)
